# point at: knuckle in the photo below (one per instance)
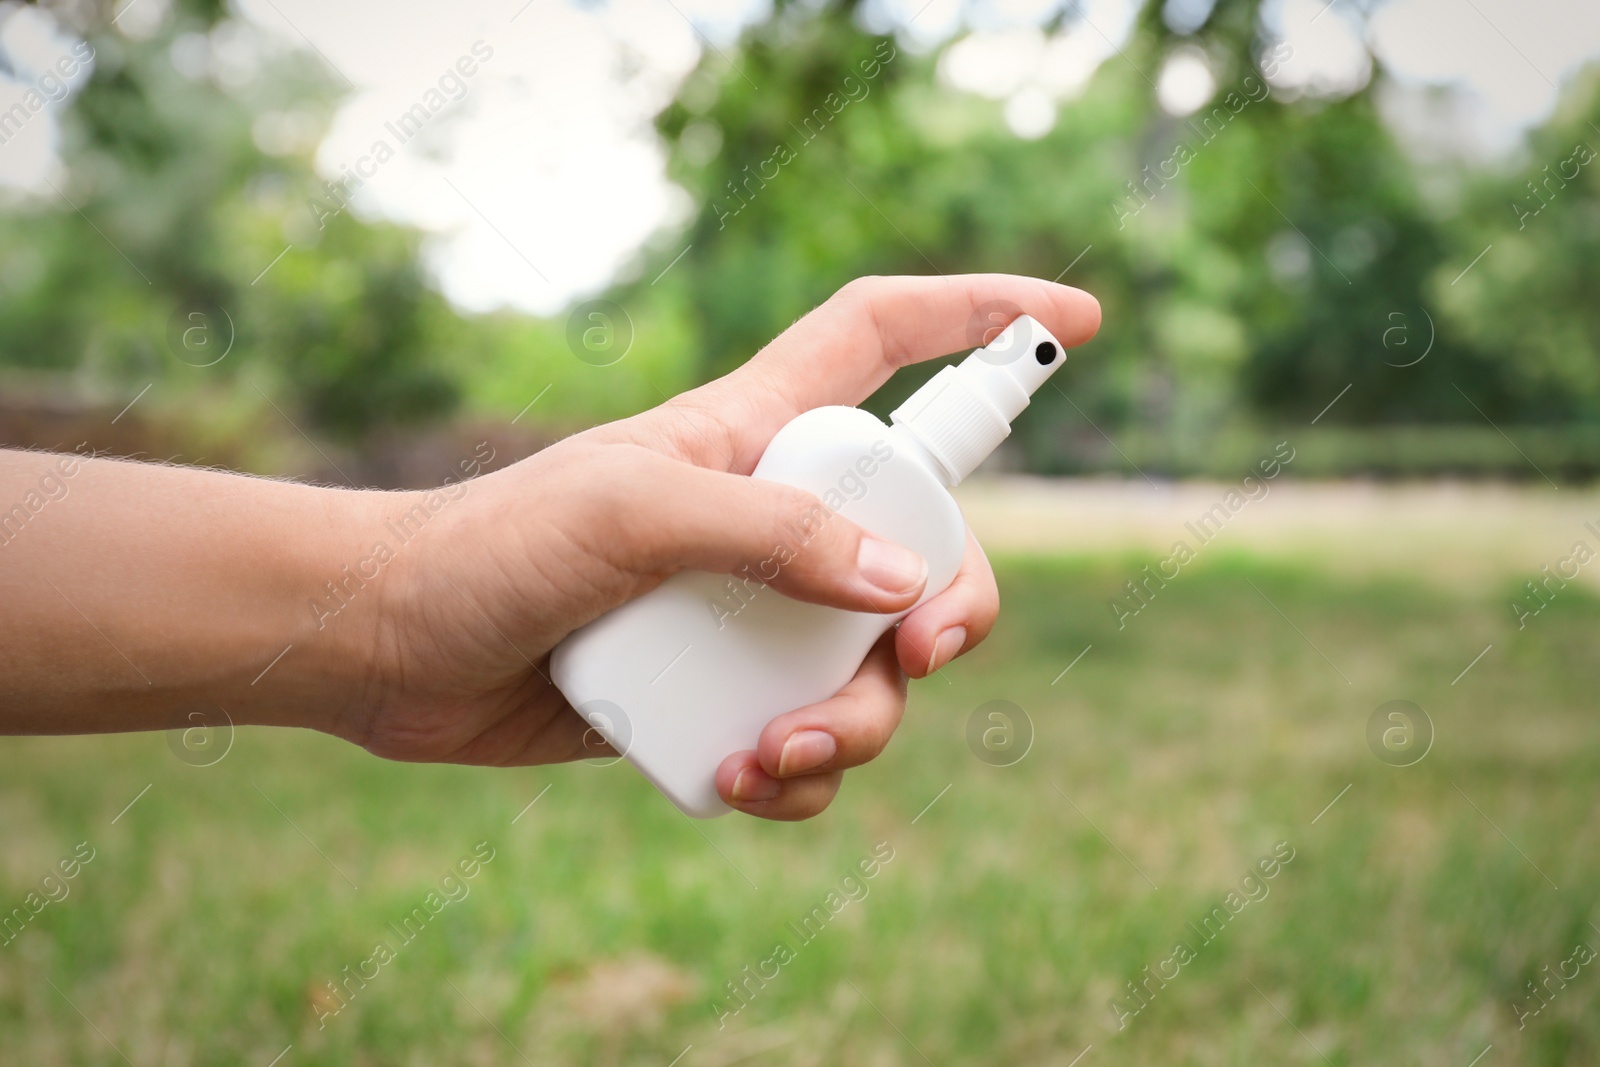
(859, 289)
(812, 808)
(877, 727)
(619, 485)
(816, 797)
(980, 603)
(857, 301)
(698, 422)
(797, 518)
(856, 296)
(791, 500)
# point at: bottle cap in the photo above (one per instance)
(965, 411)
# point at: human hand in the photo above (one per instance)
(471, 607)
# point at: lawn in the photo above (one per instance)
(236, 911)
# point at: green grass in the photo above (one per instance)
(1172, 757)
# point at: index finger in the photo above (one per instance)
(844, 350)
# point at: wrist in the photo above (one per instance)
(320, 639)
(375, 586)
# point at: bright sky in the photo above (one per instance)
(540, 176)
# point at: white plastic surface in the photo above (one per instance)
(691, 672)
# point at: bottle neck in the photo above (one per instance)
(957, 418)
(905, 443)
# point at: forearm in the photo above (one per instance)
(133, 593)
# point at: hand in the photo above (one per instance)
(474, 603)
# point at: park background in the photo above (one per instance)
(1363, 232)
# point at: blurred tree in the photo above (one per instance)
(1254, 258)
(1530, 297)
(154, 256)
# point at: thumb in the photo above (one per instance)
(679, 516)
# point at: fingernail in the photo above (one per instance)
(806, 750)
(890, 567)
(753, 786)
(945, 647)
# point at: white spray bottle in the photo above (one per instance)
(690, 673)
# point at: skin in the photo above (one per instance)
(136, 593)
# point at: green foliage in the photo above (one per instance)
(1528, 296)
(1296, 252)
(171, 211)
(1255, 260)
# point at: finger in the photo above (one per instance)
(844, 350)
(670, 515)
(744, 786)
(953, 622)
(843, 731)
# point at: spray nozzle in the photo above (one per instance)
(965, 411)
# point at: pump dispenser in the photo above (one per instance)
(690, 673)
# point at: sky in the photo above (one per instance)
(539, 176)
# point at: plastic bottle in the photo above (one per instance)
(684, 676)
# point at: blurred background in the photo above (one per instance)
(1353, 243)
